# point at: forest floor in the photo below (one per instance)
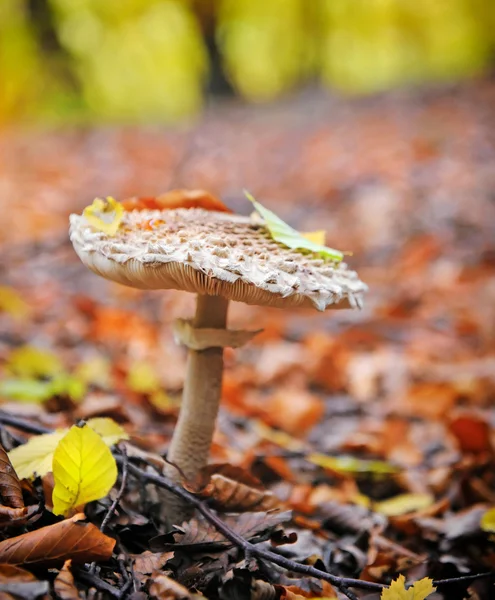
(374, 427)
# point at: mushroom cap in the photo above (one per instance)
(213, 253)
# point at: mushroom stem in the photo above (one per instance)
(193, 433)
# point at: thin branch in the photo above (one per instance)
(251, 549)
(99, 584)
(123, 483)
(22, 424)
(453, 580)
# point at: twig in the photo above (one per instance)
(98, 583)
(23, 425)
(342, 583)
(453, 580)
(123, 483)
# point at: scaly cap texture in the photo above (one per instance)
(213, 253)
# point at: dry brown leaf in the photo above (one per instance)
(164, 588)
(200, 534)
(64, 585)
(50, 546)
(177, 199)
(233, 489)
(10, 487)
(472, 433)
(148, 562)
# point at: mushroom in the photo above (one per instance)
(220, 257)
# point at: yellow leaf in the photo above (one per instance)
(419, 591)
(487, 522)
(403, 504)
(35, 458)
(110, 431)
(142, 378)
(29, 361)
(83, 469)
(105, 215)
(318, 237)
(349, 464)
(12, 303)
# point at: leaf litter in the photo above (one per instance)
(374, 429)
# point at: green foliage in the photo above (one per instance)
(148, 59)
(288, 236)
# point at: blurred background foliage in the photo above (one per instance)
(161, 60)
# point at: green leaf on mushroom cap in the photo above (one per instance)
(290, 237)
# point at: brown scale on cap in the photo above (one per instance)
(220, 257)
(214, 253)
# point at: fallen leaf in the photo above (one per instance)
(487, 522)
(232, 489)
(285, 234)
(51, 546)
(10, 487)
(403, 503)
(349, 464)
(26, 390)
(165, 588)
(147, 562)
(104, 215)
(35, 457)
(177, 199)
(142, 378)
(12, 303)
(199, 534)
(30, 361)
(83, 469)
(317, 237)
(110, 431)
(418, 591)
(64, 585)
(472, 433)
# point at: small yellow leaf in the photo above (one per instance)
(95, 371)
(487, 522)
(12, 302)
(349, 464)
(419, 591)
(35, 457)
(403, 504)
(142, 378)
(110, 431)
(83, 469)
(318, 237)
(29, 361)
(105, 215)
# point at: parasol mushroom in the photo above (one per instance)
(220, 257)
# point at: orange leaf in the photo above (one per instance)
(177, 199)
(51, 546)
(64, 585)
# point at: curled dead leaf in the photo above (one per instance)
(10, 487)
(64, 585)
(177, 199)
(233, 489)
(51, 546)
(165, 588)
